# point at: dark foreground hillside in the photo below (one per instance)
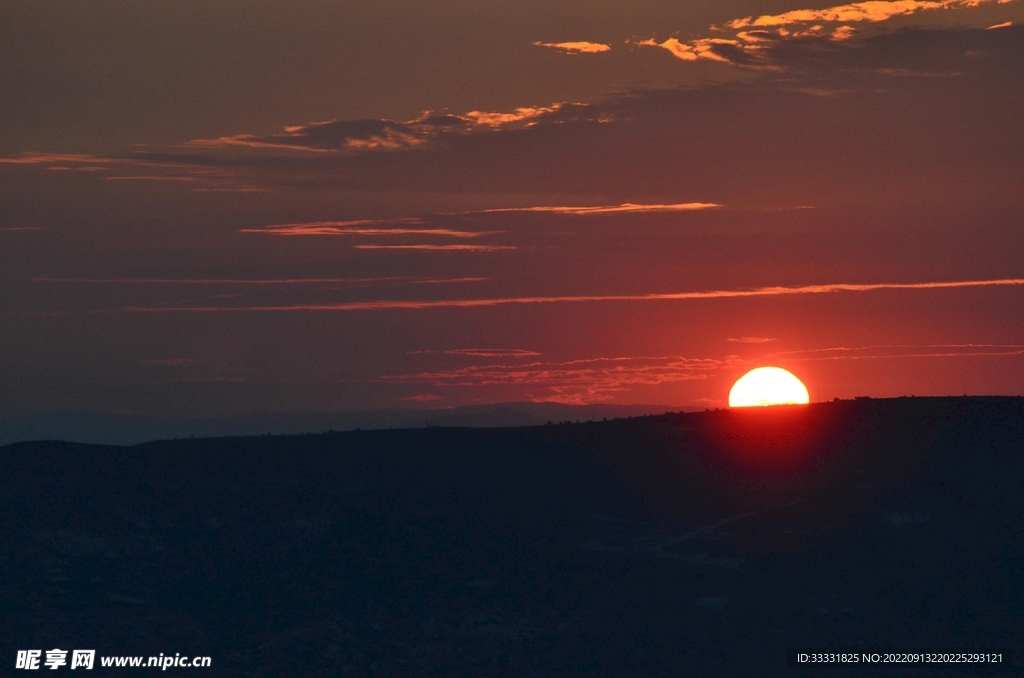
(691, 544)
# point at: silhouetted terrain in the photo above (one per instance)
(682, 544)
(130, 429)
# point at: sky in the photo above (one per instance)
(219, 207)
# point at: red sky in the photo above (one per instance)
(214, 208)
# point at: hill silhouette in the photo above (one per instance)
(681, 544)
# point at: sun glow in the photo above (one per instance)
(768, 386)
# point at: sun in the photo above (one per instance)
(768, 386)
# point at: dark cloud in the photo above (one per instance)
(917, 115)
(334, 136)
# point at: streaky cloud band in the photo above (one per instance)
(383, 305)
(606, 209)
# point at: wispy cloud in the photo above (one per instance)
(1005, 24)
(356, 136)
(582, 47)
(151, 177)
(483, 352)
(253, 141)
(379, 305)
(53, 158)
(441, 248)
(403, 226)
(751, 340)
(142, 166)
(360, 227)
(624, 208)
(576, 381)
(894, 351)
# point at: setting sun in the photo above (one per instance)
(768, 386)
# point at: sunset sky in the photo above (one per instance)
(216, 207)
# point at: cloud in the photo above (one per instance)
(576, 47)
(435, 281)
(143, 166)
(1005, 24)
(872, 11)
(753, 37)
(441, 248)
(716, 49)
(751, 340)
(424, 398)
(493, 352)
(358, 228)
(484, 119)
(143, 177)
(625, 208)
(357, 136)
(29, 158)
(824, 132)
(393, 304)
(579, 382)
(401, 226)
(899, 351)
(483, 352)
(327, 137)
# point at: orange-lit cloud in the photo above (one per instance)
(573, 382)
(50, 158)
(79, 168)
(253, 141)
(372, 227)
(379, 305)
(357, 228)
(1005, 24)
(625, 208)
(357, 136)
(715, 49)
(752, 35)
(518, 116)
(576, 47)
(871, 11)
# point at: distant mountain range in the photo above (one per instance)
(127, 429)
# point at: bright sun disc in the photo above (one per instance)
(768, 386)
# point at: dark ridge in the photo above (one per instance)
(678, 544)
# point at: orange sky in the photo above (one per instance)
(627, 203)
